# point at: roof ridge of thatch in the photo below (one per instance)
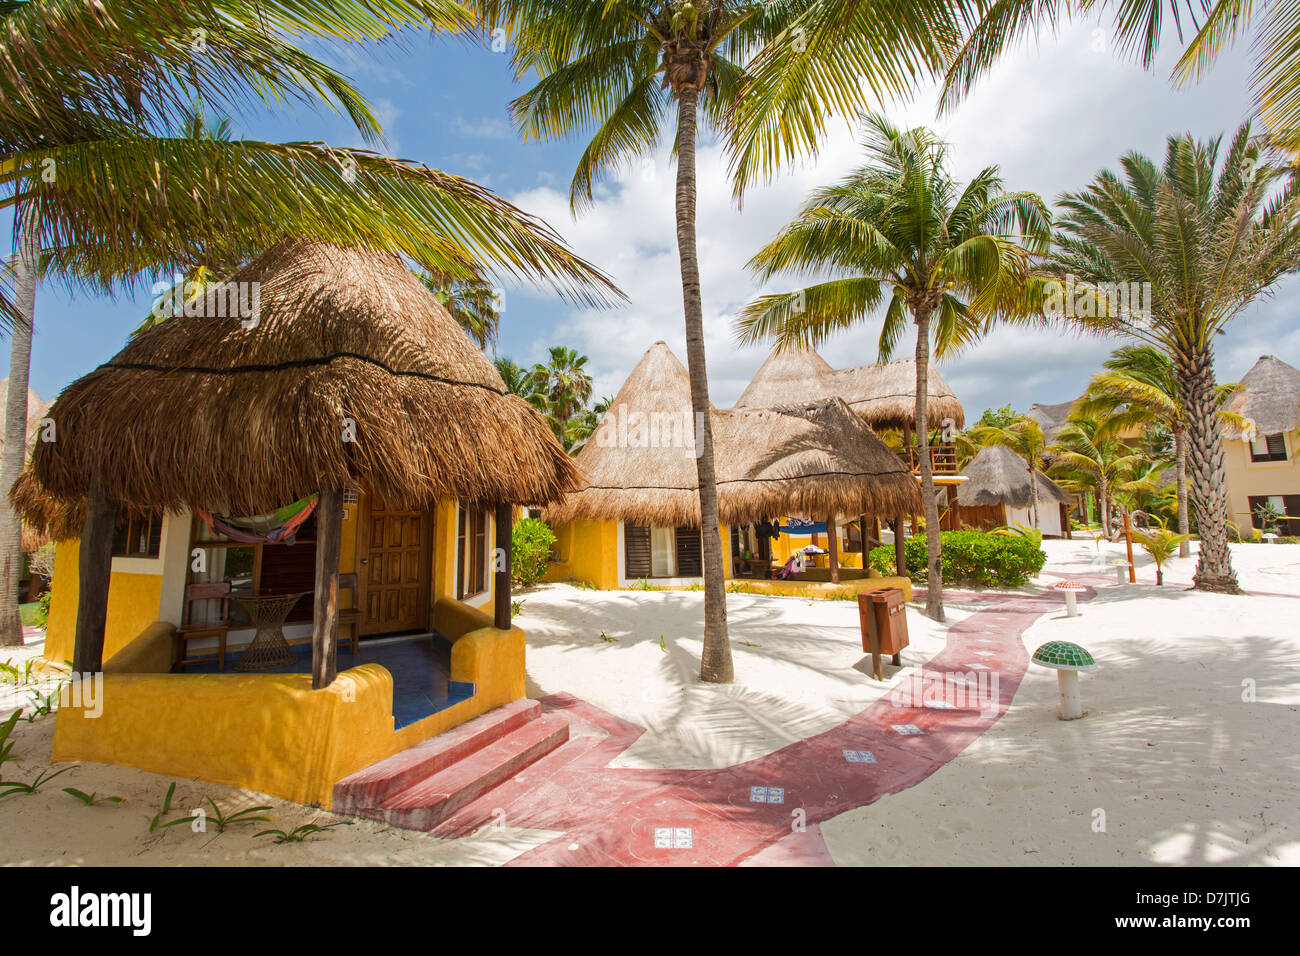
(1269, 397)
(997, 474)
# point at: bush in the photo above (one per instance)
(530, 551)
(969, 557)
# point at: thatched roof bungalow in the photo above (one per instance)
(997, 491)
(640, 496)
(341, 439)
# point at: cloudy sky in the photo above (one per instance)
(1050, 116)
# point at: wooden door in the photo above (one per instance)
(395, 568)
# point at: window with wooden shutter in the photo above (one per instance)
(1268, 448)
(471, 547)
(636, 551)
(689, 562)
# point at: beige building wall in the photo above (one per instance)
(1248, 478)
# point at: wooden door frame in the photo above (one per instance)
(425, 598)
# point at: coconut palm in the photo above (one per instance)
(953, 259)
(1088, 457)
(1140, 388)
(104, 201)
(564, 386)
(473, 303)
(743, 67)
(1024, 437)
(1161, 543)
(1204, 235)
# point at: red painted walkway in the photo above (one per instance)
(764, 811)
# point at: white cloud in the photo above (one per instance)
(484, 127)
(1050, 118)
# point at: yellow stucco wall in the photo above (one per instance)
(133, 601)
(588, 551)
(1247, 478)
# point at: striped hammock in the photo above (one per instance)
(280, 525)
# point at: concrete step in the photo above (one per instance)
(426, 803)
(371, 786)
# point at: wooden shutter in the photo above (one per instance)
(636, 551)
(689, 562)
(1276, 447)
(461, 553)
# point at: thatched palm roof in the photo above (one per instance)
(1269, 396)
(200, 411)
(882, 395)
(813, 459)
(36, 407)
(998, 474)
(1051, 418)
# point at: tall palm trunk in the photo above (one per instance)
(1209, 487)
(1180, 460)
(27, 263)
(715, 664)
(933, 544)
(1033, 491)
(1103, 502)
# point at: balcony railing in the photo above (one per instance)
(943, 458)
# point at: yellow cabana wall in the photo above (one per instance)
(587, 551)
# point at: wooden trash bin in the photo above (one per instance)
(882, 616)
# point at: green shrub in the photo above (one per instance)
(530, 551)
(969, 557)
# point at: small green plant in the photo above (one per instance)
(7, 745)
(299, 834)
(247, 815)
(516, 608)
(90, 799)
(661, 644)
(11, 787)
(1162, 544)
(695, 586)
(607, 639)
(1268, 514)
(42, 704)
(530, 551)
(749, 643)
(643, 585)
(158, 823)
(581, 585)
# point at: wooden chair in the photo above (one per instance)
(350, 616)
(188, 631)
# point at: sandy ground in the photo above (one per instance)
(1170, 757)
(1184, 769)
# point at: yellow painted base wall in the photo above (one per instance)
(586, 551)
(133, 601)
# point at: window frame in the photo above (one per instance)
(133, 524)
(466, 540)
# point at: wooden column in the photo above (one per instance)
(95, 559)
(833, 545)
(501, 586)
(325, 612)
(900, 553)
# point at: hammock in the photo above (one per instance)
(280, 525)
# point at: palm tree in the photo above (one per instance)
(1160, 543)
(584, 424)
(564, 384)
(472, 302)
(1200, 239)
(1087, 457)
(105, 201)
(1142, 388)
(520, 381)
(745, 67)
(1024, 437)
(954, 260)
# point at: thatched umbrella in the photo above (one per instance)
(816, 458)
(348, 373)
(997, 475)
(1269, 397)
(883, 395)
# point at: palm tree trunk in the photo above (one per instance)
(1033, 493)
(1103, 504)
(933, 544)
(1209, 487)
(715, 665)
(1184, 519)
(27, 262)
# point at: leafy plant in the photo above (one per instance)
(1268, 514)
(516, 608)
(643, 584)
(157, 823)
(90, 799)
(1162, 544)
(299, 834)
(1018, 530)
(607, 639)
(7, 745)
(11, 787)
(247, 815)
(530, 551)
(969, 557)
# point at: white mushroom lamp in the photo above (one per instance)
(1067, 660)
(1121, 570)
(1070, 589)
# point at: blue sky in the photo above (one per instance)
(1051, 115)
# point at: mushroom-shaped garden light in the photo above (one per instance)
(1067, 660)
(1121, 570)
(1070, 589)
(1270, 538)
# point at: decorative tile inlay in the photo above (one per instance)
(859, 756)
(987, 653)
(939, 705)
(978, 667)
(673, 838)
(907, 730)
(767, 794)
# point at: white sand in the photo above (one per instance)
(1185, 771)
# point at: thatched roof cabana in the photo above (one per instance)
(816, 458)
(882, 395)
(998, 475)
(352, 375)
(1269, 397)
(1051, 418)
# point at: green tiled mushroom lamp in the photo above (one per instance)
(1067, 660)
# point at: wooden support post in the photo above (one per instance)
(95, 559)
(833, 545)
(325, 612)
(900, 551)
(501, 586)
(1128, 543)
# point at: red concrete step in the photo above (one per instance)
(423, 805)
(371, 786)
